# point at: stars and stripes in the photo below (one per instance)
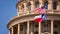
(41, 11)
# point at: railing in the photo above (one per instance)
(47, 12)
(56, 12)
(53, 12)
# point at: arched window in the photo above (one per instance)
(54, 5)
(29, 6)
(37, 4)
(46, 4)
(22, 9)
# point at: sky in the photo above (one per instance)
(7, 11)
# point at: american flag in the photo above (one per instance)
(39, 10)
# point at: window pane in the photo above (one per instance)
(54, 5)
(46, 3)
(29, 7)
(37, 4)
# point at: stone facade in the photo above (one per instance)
(24, 23)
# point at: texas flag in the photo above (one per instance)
(43, 17)
(40, 10)
(40, 18)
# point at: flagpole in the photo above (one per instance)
(46, 21)
(39, 27)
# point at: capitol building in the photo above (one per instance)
(23, 22)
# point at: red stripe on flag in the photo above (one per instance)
(38, 20)
(38, 10)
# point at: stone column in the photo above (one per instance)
(51, 26)
(9, 31)
(12, 30)
(58, 7)
(50, 5)
(39, 27)
(32, 5)
(32, 28)
(25, 8)
(18, 28)
(40, 3)
(27, 27)
(19, 10)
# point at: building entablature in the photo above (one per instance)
(21, 19)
